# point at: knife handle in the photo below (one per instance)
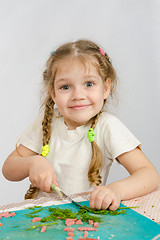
(56, 189)
(53, 186)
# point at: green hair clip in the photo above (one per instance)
(45, 150)
(91, 134)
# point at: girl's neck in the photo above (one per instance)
(76, 125)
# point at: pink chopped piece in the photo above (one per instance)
(79, 222)
(36, 219)
(12, 214)
(85, 234)
(90, 222)
(71, 234)
(96, 224)
(69, 238)
(43, 229)
(4, 214)
(7, 216)
(69, 222)
(86, 229)
(87, 238)
(68, 229)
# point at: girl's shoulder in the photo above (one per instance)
(110, 123)
(108, 118)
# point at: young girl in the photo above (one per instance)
(73, 141)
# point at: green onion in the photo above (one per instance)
(40, 225)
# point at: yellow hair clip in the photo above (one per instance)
(91, 134)
(45, 150)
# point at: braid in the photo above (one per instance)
(46, 124)
(96, 162)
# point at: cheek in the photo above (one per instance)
(60, 101)
(98, 96)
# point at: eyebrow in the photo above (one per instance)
(91, 76)
(62, 80)
(85, 77)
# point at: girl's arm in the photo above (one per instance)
(40, 172)
(143, 179)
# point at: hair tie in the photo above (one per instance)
(45, 150)
(53, 52)
(102, 51)
(91, 134)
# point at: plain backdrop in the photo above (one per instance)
(128, 30)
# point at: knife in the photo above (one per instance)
(62, 194)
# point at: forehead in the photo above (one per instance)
(82, 64)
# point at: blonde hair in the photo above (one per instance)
(85, 51)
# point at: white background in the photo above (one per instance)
(128, 30)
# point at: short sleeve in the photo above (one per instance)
(31, 137)
(117, 138)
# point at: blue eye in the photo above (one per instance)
(89, 84)
(65, 87)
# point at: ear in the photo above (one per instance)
(107, 87)
(52, 93)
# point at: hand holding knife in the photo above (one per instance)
(62, 194)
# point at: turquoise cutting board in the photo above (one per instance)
(130, 226)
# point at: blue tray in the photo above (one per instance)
(131, 225)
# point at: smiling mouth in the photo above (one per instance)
(79, 107)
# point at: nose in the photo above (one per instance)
(78, 93)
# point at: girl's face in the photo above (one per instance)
(79, 92)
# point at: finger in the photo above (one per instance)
(107, 201)
(47, 184)
(34, 181)
(99, 199)
(114, 205)
(92, 198)
(54, 180)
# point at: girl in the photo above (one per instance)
(73, 141)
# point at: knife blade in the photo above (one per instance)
(62, 194)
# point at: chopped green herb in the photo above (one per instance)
(86, 209)
(31, 216)
(59, 213)
(36, 211)
(100, 212)
(40, 225)
(85, 214)
(62, 213)
(128, 207)
(85, 217)
(82, 214)
(34, 207)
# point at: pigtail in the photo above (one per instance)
(96, 162)
(31, 192)
(46, 127)
(47, 120)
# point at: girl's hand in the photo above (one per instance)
(41, 173)
(104, 197)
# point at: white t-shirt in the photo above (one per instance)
(70, 150)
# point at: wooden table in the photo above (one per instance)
(149, 205)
